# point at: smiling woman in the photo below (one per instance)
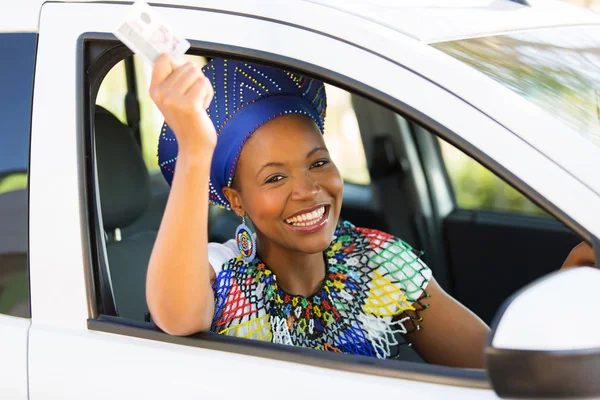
(285, 173)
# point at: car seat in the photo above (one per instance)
(125, 195)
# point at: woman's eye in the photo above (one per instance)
(319, 163)
(275, 178)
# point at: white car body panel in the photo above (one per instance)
(67, 360)
(426, 20)
(13, 357)
(69, 364)
(436, 21)
(55, 355)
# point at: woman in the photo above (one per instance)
(257, 148)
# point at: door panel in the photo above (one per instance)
(493, 254)
(13, 357)
(98, 365)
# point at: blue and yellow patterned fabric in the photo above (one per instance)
(371, 297)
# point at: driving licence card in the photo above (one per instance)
(147, 35)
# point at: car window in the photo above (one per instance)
(342, 133)
(129, 251)
(477, 188)
(16, 81)
(133, 205)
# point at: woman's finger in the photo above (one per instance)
(197, 93)
(171, 81)
(581, 255)
(209, 94)
(161, 70)
(180, 83)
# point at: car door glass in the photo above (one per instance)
(477, 188)
(16, 80)
(343, 138)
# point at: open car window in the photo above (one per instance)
(129, 238)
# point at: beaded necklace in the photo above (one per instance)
(370, 297)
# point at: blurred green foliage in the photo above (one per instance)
(476, 187)
(13, 182)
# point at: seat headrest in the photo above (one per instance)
(123, 178)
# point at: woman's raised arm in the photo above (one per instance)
(178, 284)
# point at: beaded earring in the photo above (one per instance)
(245, 241)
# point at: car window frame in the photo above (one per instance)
(102, 322)
(396, 369)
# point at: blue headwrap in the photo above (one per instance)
(247, 96)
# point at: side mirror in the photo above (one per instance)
(545, 340)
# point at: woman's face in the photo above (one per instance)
(288, 185)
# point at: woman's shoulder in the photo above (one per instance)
(221, 253)
(369, 239)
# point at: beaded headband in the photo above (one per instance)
(247, 96)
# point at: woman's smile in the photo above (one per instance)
(309, 220)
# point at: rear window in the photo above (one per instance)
(16, 81)
(558, 69)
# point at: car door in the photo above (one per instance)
(78, 349)
(16, 81)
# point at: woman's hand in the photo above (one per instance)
(183, 94)
(581, 255)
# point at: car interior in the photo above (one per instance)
(479, 256)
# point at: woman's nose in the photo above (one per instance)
(306, 188)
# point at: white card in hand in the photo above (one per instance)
(147, 35)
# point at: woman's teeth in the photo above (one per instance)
(307, 219)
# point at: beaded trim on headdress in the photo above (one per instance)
(247, 96)
(372, 295)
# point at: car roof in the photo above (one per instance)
(424, 20)
(443, 20)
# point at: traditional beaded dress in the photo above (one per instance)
(371, 296)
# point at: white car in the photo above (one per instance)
(514, 86)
